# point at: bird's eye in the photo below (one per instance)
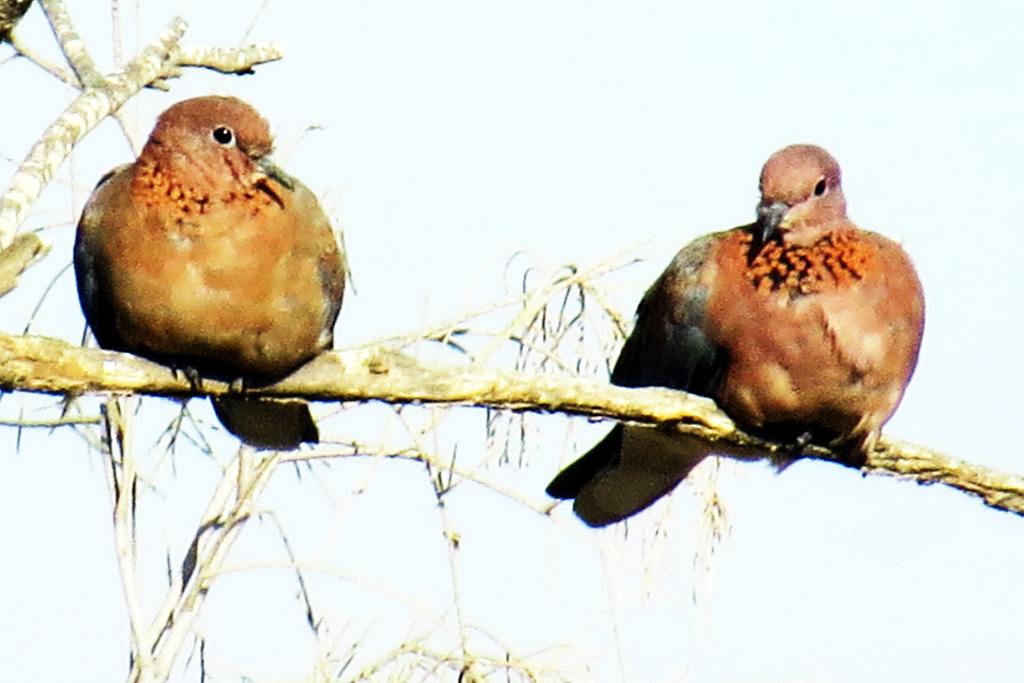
(223, 135)
(819, 189)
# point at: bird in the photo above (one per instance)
(205, 256)
(801, 326)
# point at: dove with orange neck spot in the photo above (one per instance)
(801, 326)
(204, 256)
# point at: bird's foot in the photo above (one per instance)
(791, 452)
(855, 453)
(802, 442)
(191, 375)
(238, 386)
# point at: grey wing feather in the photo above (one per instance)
(668, 346)
(333, 262)
(88, 276)
(631, 467)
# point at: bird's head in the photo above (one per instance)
(220, 143)
(801, 196)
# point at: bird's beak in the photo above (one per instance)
(769, 217)
(271, 170)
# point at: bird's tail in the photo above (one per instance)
(626, 472)
(272, 424)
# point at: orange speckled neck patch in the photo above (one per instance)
(153, 186)
(835, 260)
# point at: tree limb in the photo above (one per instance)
(382, 373)
(23, 251)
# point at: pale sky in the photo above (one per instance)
(451, 135)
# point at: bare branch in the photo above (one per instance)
(380, 373)
(28, 53)
(22, 252)
(236, 60)
(50, 424)
(40, 364)
(213, 542)
(125, 489)
(71, 44)
(77, 120)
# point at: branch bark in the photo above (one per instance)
(23, 251)
(382, 373)
(71, 44)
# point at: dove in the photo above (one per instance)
(205, 256)
(801, 326)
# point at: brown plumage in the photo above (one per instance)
(204, 256)
(801, 326)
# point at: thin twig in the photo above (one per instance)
(444, 330)
(125, 488)
(71, 44)
(49, 424)
(54, 70)
(246, 477)
(235, 60)
(415, 455)
(77, 120)
(216, 509)
(19, 255)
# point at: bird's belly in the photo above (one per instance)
(799, 379)
(234, 319)
(770, 393)
(833, 360)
